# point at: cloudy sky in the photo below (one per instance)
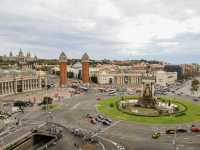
(166, 30)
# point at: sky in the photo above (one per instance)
(166, 30)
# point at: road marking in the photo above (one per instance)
(103, 147)
(114, 124)
(75, 106)
(108, 140)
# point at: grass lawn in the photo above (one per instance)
(52, 107)
(191, 115)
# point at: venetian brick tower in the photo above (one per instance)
(63, 69)
(85, 68)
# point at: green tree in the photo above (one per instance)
(70, 74)
(194, 86)
(94, 79)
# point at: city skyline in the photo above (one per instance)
(167, 31)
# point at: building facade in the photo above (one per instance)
(119, 78)
(164, 78)
(17, 81)
(174, 68)
(23, 61)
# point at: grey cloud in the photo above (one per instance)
(46, 27)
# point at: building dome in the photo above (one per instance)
(77, 65)
(21, 54)
(85, 57)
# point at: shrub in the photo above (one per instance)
(111, 105)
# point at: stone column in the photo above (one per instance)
(15, 86)
(40, 83)
(1, 84)
(28, 82)
(35, 83)
(12, 87)
(9, 85)
(6, 88)
(22, 85)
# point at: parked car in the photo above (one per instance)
(195, 129)
(100, 117)
(89, 116)
(170, 131)
(93, 121)
(77, 132)
(106, 123)
(108, 119)
(99, 120)
(98, 98)
(156, 135)
(181, 130)
(195, 100)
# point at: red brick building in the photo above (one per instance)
(63, 69)
(85, 68)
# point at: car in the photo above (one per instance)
(77, 132)
(106, 123)
(93, 121)
(195, 129)
(195, 100)
(89, 116)
(98, 98)
(2, 117)
(100, 117)
(156, 135)
(170, 131)
(108, 119)
(99, 120)
(181, 130)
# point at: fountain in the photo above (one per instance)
(147, 104)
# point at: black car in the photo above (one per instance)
(99, 120)
(195, 100)
(181, 130)
(100, 117)
(109, 120)
(170, 131)
(106, 123)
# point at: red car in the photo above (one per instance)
(98, 98)
(195, 129)
(93, 121)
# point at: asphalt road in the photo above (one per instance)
(133, 136)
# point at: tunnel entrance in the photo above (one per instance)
(35, 141)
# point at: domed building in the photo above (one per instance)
(23, 61)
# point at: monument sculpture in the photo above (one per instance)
(147, 98)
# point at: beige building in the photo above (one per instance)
(17, 81)
(163, 78)
(119, 77)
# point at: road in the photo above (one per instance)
(133, 136)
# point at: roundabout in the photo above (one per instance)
(188, 111)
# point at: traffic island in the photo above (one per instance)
(187, 111)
